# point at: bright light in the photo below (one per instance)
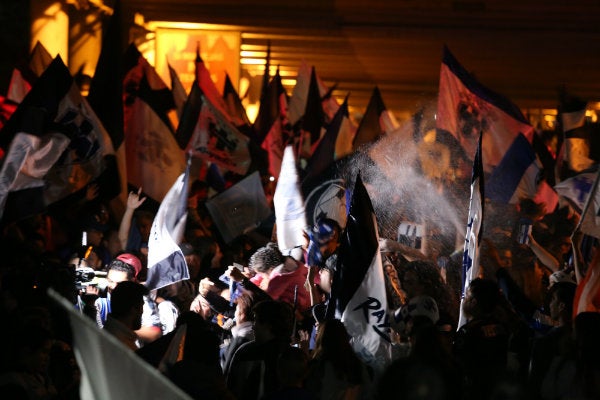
(272, 179)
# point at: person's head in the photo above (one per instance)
(421, 277)
(191, 258)
(143, 222)
(266, 258)
(125, 267)
(127, 303)
(94, 229)
(272, 320)
(243, 308)
(332, 339)
(481, 298)
(561, 296)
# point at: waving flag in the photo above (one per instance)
(179, 94)
(102, 359)
(208, 134)
(358, 295)
(587, 295)
(23, 77)
(324, 189)
(466, 108)
(376, 122)
(235, 108)
(57, 144)
(154, 159)
(239, 209)
(470, 261)
(290, 216)
(166, 262)
(279, 134)
(577, 137)
(577, 188)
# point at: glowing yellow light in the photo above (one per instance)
(252, 61)
(252, 111)
(288, 82)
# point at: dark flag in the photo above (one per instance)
(106, 88)
(179, 94)
(235, 108)
(323, 187)
(376, 122)
(54, 144)
(239, 209)
(358, 295)
(24, 76)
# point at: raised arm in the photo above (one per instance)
(133, 202)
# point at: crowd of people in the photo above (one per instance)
(257, 321)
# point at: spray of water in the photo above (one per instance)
(401, 192)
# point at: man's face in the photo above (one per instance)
(114, 277)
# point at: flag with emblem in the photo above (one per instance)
(358, 295)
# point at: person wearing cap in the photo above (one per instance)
(126, 267)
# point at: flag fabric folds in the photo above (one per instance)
(290, 216)
(179, 94)
(577, 140)
(56, 140)
(23, 77)
(470, 261)
(589, 222)
(358, 296)
(278, 135)
(166, 262)
(240, 208)
(517, 176)
(154, 160)
(213, 138)
(377, 121)
(108, 369)
(577, 188)
(234, 105)
(466, 108)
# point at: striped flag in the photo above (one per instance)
(466, 108)
(166, 262)
(358, 295)
(470, 261)
(290, 216)
(577, 137)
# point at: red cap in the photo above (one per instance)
(131, 260)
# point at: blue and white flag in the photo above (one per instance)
(517, 176)
(474, 228)
(466, 108)
(577, 188)
(290, 215)
(358, 295)
(166, 262)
